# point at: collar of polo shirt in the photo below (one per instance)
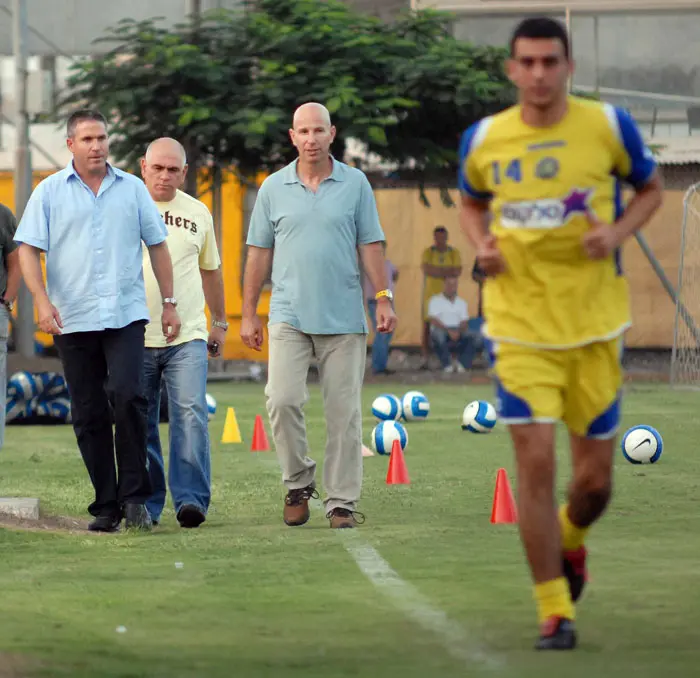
(293, 178)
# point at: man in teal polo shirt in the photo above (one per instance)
(310, 221)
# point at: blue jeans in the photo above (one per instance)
(184, 370)
(4, 335)
(381, 342)
(464, 347)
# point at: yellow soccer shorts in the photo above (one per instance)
(578, 386)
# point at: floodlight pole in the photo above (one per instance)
(23, 167)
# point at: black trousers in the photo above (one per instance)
(93, 364)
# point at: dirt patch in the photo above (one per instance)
(16, 665)
(44, 524)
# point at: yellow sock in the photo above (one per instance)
(554, 600)
(572, 537)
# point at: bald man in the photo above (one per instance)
(318, 214)
(182, 364)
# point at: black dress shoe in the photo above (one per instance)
(190, 516)
(137, 517)
(107, 523)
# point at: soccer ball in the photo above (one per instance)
(22, 385)
(386, 406)
(479, 417)
(415, 406)
(211, 406)
(642, 445)
(384, 434)
(60, 408)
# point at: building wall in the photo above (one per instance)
(384, 9)
(644, 51)
(72, 29)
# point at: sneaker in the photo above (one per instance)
(341, 518)
(137, 517)
(190, 515)
(107, 523)
(557, 633)
(574, 563)
(296, 505)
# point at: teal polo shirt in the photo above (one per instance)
(316, 284)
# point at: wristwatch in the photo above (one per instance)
(219, 323)
(170, 300)
(8, 304)
(384, 293)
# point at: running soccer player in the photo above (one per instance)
(556, 305)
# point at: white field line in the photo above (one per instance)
(460, 644)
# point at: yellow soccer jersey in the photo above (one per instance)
(541, 183)
(450, 258)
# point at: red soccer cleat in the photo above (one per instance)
(575, 571)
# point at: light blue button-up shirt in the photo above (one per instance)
(316, 284)
(94, 255)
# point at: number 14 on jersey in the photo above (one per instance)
(513, 171)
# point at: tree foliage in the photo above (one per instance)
(227, 84)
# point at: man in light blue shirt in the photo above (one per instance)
(310, 222)
(90, 219)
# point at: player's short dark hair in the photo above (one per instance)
(439, 229)
(81, 115)
(540, 28)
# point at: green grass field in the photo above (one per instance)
(443, 592)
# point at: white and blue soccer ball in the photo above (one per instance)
(415, 406)
(387, 407)
(384, 435)
(60, 408)
(23, 385)
(642, 445)
(479, 416)
(211, 406)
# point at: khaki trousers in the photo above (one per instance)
(341, 359)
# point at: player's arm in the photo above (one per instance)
(474, 205)
(646, 200)
(636, 166)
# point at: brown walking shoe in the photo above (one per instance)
(341, 518)
(296, 505)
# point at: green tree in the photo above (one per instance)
(456, 84)
(227, 86)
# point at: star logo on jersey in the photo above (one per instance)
(545, 214)
(576, 202)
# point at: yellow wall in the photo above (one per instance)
(408, 225)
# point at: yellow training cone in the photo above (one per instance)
(232, 434)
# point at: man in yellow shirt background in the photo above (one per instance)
(439, 261)
(182, 364)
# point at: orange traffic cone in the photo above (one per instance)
(504, 510)
(259, 443)
(397, 474)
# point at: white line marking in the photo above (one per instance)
(413, 603)
(410, 601)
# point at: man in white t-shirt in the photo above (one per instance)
(182, 364)
(449, 334)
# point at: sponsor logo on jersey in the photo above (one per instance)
(551, 213)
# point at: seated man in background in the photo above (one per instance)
(449, 333)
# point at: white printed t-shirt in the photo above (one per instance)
(192, 244)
